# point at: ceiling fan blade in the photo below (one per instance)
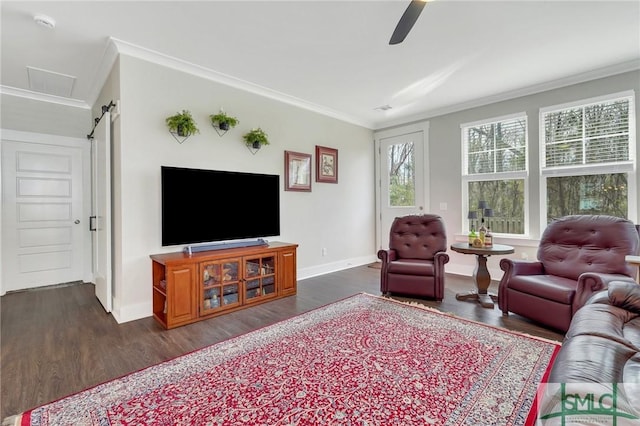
(409, 17)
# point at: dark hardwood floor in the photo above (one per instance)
(59, 341)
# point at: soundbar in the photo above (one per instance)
(221, 246)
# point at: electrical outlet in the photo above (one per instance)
(443, 206)
(524, 256)
(324, 251)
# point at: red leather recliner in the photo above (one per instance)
(578, 255)
(414, 263)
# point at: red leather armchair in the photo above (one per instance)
(578, 256)
(414, 263)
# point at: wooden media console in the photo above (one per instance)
(193, 287)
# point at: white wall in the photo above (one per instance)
(338, 217)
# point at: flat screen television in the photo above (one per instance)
(212, 205)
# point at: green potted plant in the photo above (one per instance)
(223, 121)
(256, 138)
(182, 123)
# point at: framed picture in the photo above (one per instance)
(297, 171)
(326, 164)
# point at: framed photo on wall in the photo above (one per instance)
(326, 164)
(297, 171)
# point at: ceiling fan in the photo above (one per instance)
(409, 17)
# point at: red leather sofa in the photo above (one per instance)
(602, 344)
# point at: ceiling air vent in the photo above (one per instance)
(383, 108)
(49, 82)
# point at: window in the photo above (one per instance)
(495, 171)
(401, 175)
(587, 157)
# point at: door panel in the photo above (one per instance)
(41, 214)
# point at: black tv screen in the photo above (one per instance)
(211, 205)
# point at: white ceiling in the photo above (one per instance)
(334, 56)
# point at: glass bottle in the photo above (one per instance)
(482, 231)
(488, 238)
(472, 236)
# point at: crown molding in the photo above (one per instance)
(43, 97)
(109, 57)
(149, 55)
(609, 71)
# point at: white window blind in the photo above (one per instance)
(494, 171)
(495, 147)
(589, 134)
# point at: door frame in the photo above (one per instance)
(378, 135)
(101, 201)
(68, 142)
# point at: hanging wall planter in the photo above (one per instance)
(182, 125)
(223, 122)
(255, 139)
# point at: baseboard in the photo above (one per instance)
(128, 313)
(314, 271)
(467, 270)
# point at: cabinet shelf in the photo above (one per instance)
(190, 288)
(160, 290)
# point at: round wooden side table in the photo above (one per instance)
(481, 274)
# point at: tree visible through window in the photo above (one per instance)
(586, 156)
(401, 175)
(588, 194)
(495, 170)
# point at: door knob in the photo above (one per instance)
(77, 221)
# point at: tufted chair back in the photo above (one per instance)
(414, 263)
(576, 244)
(578, 256)
(418, 236)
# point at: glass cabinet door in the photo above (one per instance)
(220, 285)
(260, 280)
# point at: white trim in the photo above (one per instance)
(494, 120)
(228, 80)
(137, 311)
(589, 101)
(509, 239)
(327, 268)
(467, 271)
(133, 312)
(109, 57)
(594, 169)
(42, 138)
(43, 97)
(495, 176)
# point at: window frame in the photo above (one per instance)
(624, 166)
(495, 176)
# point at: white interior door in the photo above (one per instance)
(42, 235)
(101, 210)
(402, 180)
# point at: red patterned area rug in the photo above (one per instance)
(364, 360)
